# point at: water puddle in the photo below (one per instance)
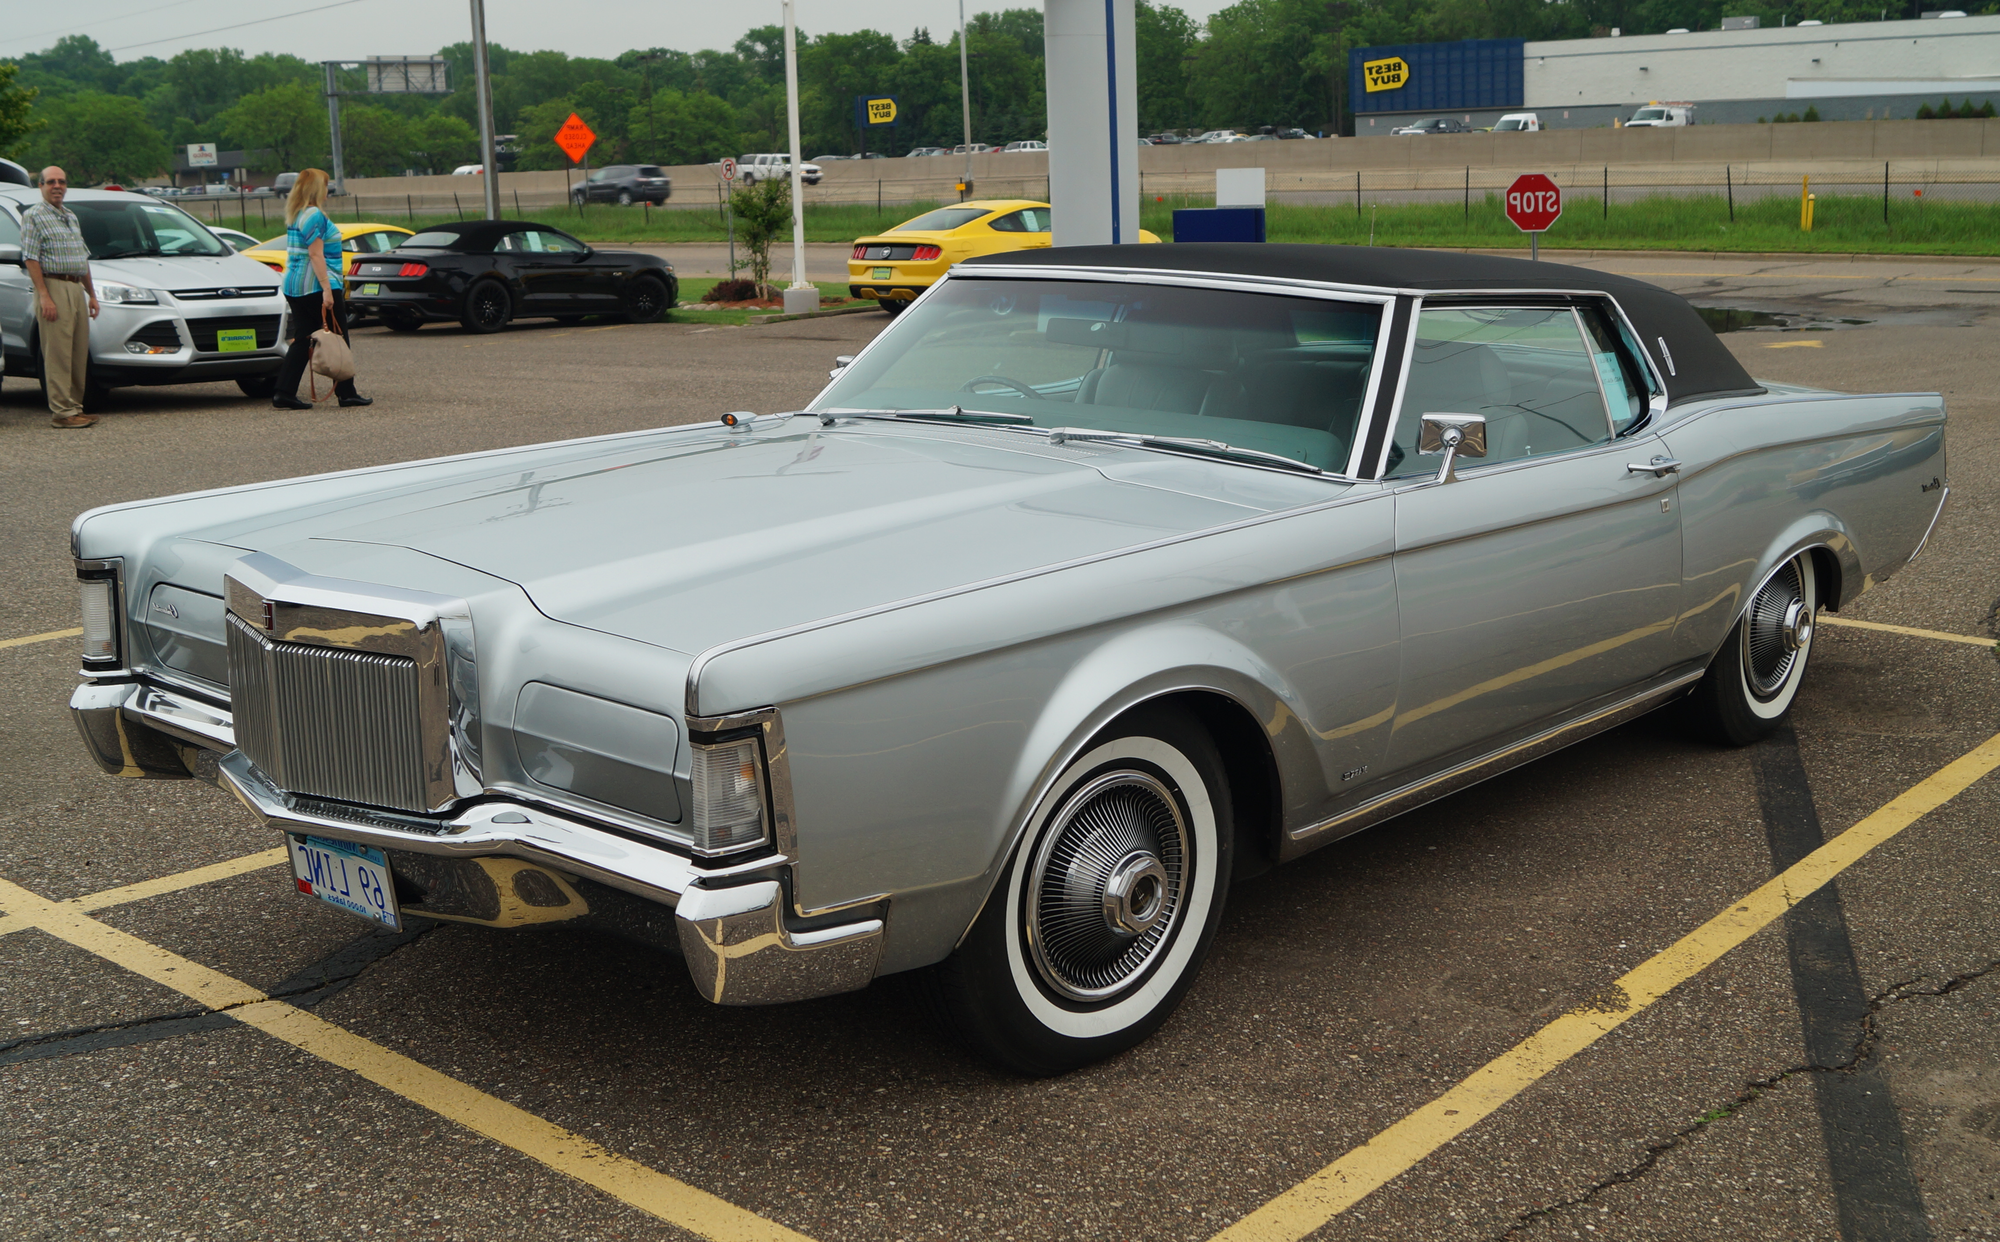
(1735, 319)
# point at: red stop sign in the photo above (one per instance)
(1533, 202)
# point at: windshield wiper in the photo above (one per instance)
(952, 415)
(1183, 444)
(126, 254)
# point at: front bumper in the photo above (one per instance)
(171, 328)
(731, 922)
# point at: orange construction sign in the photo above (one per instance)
(575, 138)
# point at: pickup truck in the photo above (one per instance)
(755, 168)
(1657, 115)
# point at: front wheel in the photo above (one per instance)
(1107, 906)
(1749, 687)
(624, 198)
(487, 308)
(646, 301)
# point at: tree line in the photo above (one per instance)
(1257, 62)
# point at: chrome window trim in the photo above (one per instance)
(1359, 490)
(1185, 279)
(1395, 415)
(1596, 373)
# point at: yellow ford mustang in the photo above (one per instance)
(901, 263)
(357, 242)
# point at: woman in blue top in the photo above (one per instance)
(313, 288)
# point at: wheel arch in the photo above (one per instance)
(1836, 568)
(1237, 699)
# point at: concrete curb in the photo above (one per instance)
(819, 314)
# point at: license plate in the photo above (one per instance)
(235, 340)
(369, 291)
(353, 877)
(882, 273)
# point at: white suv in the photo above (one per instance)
(751, 169)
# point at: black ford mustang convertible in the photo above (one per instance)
(488, 273)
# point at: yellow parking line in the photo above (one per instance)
(1795, 345)
(1940, 635)
(40, 638)
(165, 884)
(626, 1180)
(1348, 1180)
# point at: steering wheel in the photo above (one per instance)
(972, 385)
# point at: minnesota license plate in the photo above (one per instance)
(353, 877)
(235, 340)
(369, 291)
(883, 273)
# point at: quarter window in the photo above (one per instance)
(1529, 370)
(1026, 220)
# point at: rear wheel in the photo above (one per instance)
(1108, 905)
(646, 301)
(1750, 685)
(487, 308)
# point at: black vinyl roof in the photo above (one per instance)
(1686, 352)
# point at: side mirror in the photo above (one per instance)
(11, 255)
(1455, 436)
(840, 363)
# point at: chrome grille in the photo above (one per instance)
(328, 721)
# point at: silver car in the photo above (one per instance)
(177, 304)
(1100, 578)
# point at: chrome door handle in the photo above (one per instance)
(1659, 467)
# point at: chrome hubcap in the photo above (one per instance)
(1106, 885)
(1776, 631)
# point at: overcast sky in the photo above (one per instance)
(320, 29)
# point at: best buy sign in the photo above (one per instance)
(1392, 74)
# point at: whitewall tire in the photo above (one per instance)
(1752, 682)
(1108, 904)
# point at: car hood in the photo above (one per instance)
(188, 272)
(685, 540)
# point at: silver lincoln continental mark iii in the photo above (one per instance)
(1101, 577)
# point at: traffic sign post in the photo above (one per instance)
(727, 171)
(1534, 203)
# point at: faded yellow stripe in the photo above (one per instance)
(630, 1182)
(1348, 1180)
(165, 884)
(1912, 632)
(180, 880)
(40, 638)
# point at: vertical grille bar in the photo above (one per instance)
(328, 721)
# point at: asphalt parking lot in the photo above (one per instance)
(1569, 1003)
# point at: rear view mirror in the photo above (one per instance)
(11, 255)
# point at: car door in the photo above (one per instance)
(571, 279)
(17, 297)
(1543, 581)
(542, 276)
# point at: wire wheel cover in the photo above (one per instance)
(1123, 832)
(1770, 648)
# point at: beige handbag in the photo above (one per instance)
(331, 356)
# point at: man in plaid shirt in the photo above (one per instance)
(65, 299)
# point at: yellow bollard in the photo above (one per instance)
(1805, 204)
(1811, 199)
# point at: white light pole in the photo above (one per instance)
(965, 100)
(803, 295)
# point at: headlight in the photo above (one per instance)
(97, 582)
(112, 291)
(728, 811)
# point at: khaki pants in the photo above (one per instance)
(65, 346)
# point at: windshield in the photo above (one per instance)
(1275, 374)
(1650, 114)
(126, 228)
(943, 220)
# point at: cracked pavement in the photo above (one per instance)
(1344, 991)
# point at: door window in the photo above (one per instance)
(1026, 220)
(548, 241)
(10, 230)
(1530, 372)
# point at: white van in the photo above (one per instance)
(1657, 115)
(1518, 123)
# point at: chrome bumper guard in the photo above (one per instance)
(738, 949)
